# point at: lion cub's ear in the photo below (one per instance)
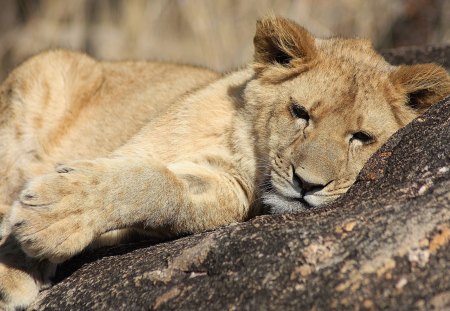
(424, 84)
(280, 45)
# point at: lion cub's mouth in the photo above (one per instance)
(281, 203)
(294, 198)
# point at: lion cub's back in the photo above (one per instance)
(81, 107)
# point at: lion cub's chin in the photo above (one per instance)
(280, 204)
(317, 198)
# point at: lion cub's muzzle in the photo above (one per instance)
(313, 192)
(304, 185)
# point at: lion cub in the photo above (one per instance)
(176, 150)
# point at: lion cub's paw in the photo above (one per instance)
(17, 288)
(21, 277)
(55, 216)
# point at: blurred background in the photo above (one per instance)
(213, 33)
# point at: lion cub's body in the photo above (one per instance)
(62, 106)
(176, 149)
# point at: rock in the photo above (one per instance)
(383, 245)
(419, 54)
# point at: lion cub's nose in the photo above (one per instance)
(306, 185)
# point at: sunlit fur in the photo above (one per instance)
(170, 149)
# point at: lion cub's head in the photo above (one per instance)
(322, 107)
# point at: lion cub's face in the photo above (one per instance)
(324, 107)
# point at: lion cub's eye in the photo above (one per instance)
(299, 112)
(363, 137)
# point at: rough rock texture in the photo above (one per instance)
(384, 245)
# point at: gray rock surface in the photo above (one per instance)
(384, 245)
(419, 54)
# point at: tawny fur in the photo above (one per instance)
(176, 149)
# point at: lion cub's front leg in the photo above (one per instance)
(60, 214)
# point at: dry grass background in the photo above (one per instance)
(213, 33)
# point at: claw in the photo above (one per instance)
(27, 196)
(18, 224)
(62, 169)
